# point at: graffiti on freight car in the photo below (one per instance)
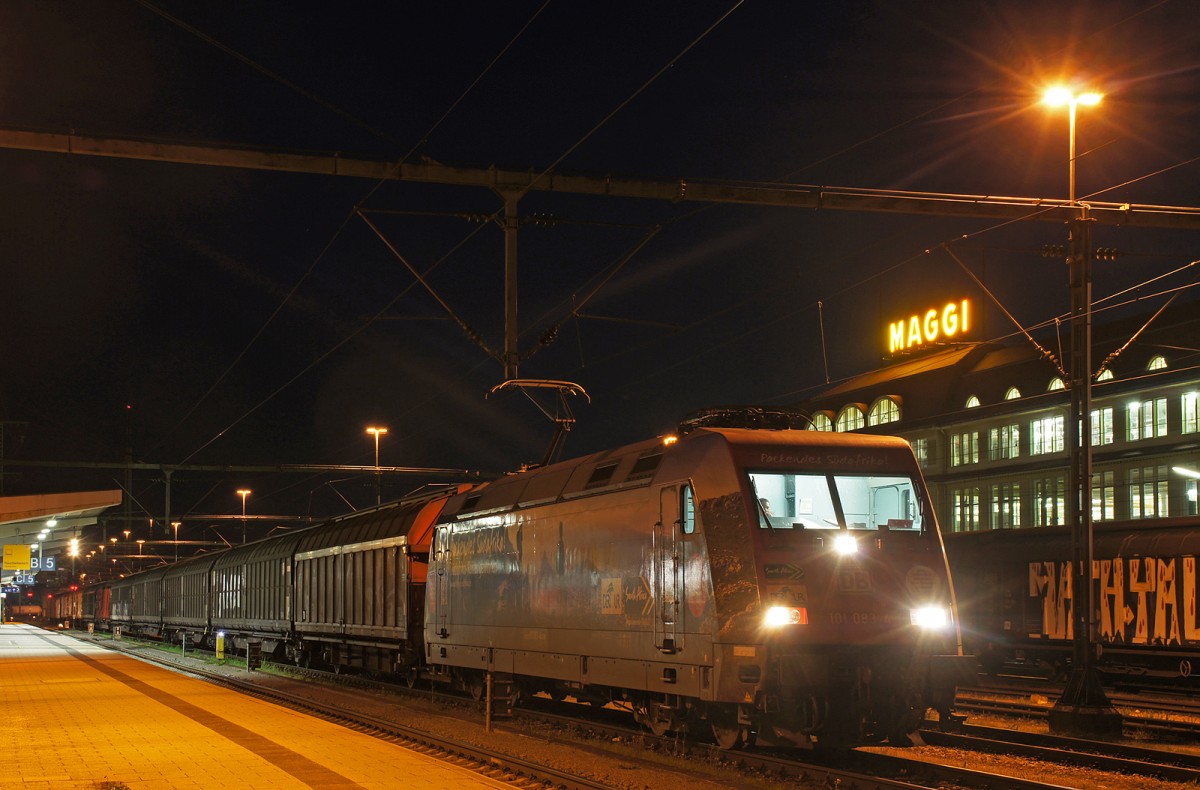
(1141, 600)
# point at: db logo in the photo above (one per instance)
(854, 581)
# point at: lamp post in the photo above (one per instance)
(175, 526)
(243, 493)
(377, 432)
(1083, 709)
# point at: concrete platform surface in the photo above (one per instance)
(78, 716)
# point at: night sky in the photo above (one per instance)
(252, 318)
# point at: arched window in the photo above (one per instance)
(1105, 375)
(1012, 394)
(1056, 384)
(884, 410)
(821, 421)
(1157, 362)
(972, 402)
(850, 418)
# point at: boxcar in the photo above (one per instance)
(360, 587)
(137, 603)
(251, 593)
(1017, 597)
(187, 599)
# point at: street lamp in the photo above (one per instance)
(377, 432)
(243, 493)
(175, 526)
(1059, 96)
(1083, 708)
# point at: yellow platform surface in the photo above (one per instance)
(78, 716)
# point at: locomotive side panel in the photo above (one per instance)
(539, 589)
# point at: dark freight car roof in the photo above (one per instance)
(192, 564)
(389, 521)
(278, 547)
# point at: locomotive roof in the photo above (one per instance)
(634, 466)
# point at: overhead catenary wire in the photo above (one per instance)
(1046, 354)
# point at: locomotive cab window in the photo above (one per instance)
(835, 501)
(687, 511)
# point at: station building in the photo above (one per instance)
(987, 419)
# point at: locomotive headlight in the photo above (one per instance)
(778, 616)
(845, 545)
(929, 617)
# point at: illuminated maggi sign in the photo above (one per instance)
(951, 321)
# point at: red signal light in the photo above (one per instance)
(74, 587)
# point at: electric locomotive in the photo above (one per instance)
(783, 587)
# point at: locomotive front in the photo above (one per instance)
(835, 608)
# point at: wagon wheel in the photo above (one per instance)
(728, 734)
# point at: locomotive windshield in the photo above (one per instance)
(836, 501)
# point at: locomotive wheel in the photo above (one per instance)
(728, 734)
(645, 715)
(476, 687)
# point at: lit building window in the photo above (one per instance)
(1105, 375)
(1103, 496)
(921, 451)
(1102, 426)
(1147, 419)
(964, 448)
(850, 418)
(1190, 406)
(1056, 384)
(1004, 442)
(1006, 506)
(1148, 492)
(1049, 502)
(1046, 435)
(883, 411)
(821, 422)
(966, 509)
(1012, 394)
(972, 402)
(1191, 497)
(1157, 362)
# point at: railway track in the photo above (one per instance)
(1156, 715)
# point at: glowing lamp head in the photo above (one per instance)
(780, 616)
(1059, 96)
(929, 618)
(845, 545)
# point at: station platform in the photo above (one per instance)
(79, 716)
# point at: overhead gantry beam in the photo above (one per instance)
(519, 182)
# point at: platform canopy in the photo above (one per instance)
(22, 518)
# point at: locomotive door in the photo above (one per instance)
(668, 573)
(440, 579)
